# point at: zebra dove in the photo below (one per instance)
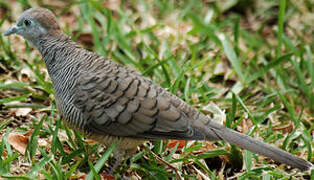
(107, 101)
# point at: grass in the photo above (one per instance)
(252, 60)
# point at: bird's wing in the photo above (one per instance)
(118, 101)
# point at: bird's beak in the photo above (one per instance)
(12, 30)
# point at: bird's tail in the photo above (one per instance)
(216, 131)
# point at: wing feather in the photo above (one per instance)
(121, 102)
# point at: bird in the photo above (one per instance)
(109, 102)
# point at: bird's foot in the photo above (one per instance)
(113, 165)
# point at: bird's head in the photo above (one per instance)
(35, 23)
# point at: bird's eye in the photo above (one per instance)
(27, 22)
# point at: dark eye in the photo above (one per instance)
(27, 22)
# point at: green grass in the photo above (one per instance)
(252, 59)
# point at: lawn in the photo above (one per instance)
(247, 64)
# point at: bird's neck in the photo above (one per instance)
(62, 58)
(60, 54)
(56, 51)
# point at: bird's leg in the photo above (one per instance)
(116, 161)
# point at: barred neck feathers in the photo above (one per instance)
(61, 56)
(57, 51)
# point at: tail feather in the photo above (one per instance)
(256, 146)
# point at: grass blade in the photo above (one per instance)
(100, 163)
